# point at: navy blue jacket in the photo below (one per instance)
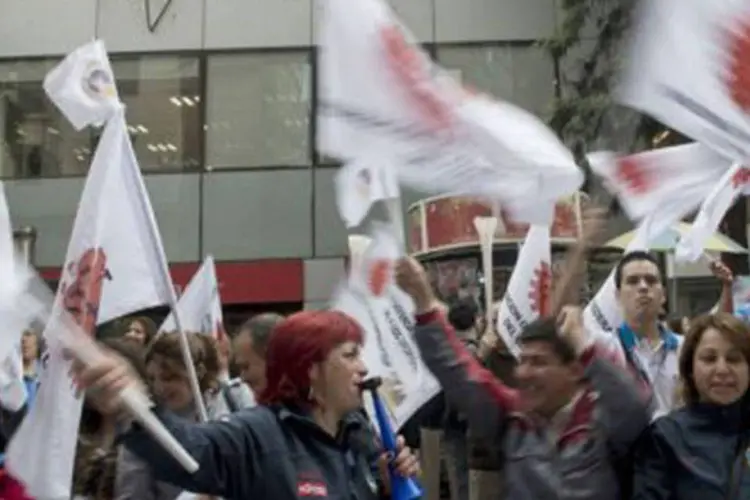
(690, 453)
(267, 453)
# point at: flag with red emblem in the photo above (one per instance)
(381, 97)
(114, 266)
(688, 65)
(734, 183)
(386, 314)
(668, 183)
(528, 294)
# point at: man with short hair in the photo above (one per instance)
(250, 349)
(650, 349)
(571, 421)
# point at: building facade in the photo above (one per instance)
(220, 99)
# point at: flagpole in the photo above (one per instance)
(188, 358)
(166, 277)
(393, 205)
(486, 227)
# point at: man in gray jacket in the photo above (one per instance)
(573, 418)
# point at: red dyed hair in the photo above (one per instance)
(296, 344)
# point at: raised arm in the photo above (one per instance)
(623, 410)
(468, 386)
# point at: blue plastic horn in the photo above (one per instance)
(402, 488)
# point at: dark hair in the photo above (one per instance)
(734, 330)
(259, 328)
(545, 330)
(132, 351)
(634, 256)
(462, 315)
(203, 351)
(149, 327)
(94, 471)
(299, 342)
(675, 324)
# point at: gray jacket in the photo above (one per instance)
(605, 421)
(135, 480)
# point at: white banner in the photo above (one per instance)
(386, 314)
(660, 182)
(382, 97)
(732, 185)
(113, 266)
(361, 183)
(528, 294)
(686, 66)
(200, 305)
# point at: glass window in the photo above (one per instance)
(162, 98)
(35, 139)
(258, 110)
(523, 75)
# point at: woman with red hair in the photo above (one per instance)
(308, 438)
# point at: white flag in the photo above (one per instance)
(386, 315)
(687, 67)
(83, 86)
(113, 266)
(528, 294)
(382, 97)
(732, 185)
(15, 314)
(200, 305)
(669, 182)
(361, 183)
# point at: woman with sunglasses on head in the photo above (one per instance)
(307, 437)
(700, 451)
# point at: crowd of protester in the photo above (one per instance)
(657, 410)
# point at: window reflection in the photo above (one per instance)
(35, 139)
(258, 110)
(521, 74)
(162, 99)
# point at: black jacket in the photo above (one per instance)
(691, 454)
(9, 422)
(267, 453)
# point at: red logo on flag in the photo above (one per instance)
(82, 296)
(540, 289)
(630, 172)
(741, 177)
(379, 276)
(312, 489)
(412, 71)
(738, 80)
